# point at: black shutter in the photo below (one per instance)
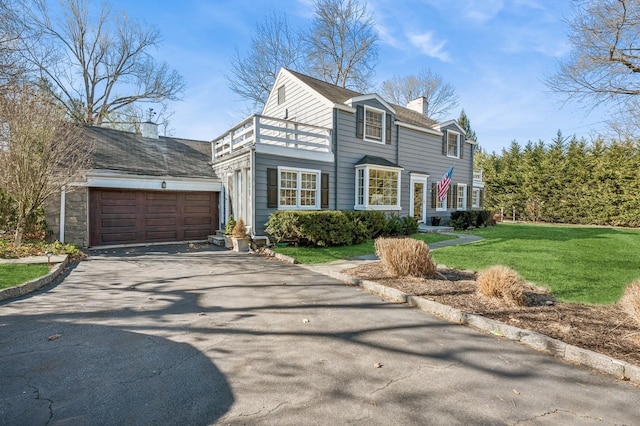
(359, 121)
(481, 202)
(324, 191)
(272, 188)
(462, 144)
(469, 197)
(444, 143)
(434, 195)
(454, 194)
(388, 129)
(449, 198)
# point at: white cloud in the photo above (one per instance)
(427, 45)
(482, 11)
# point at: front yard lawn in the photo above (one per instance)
(15, 274)
(579, 264)
(315, 255)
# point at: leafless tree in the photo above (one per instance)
(342, 44)
(604, 65)
(11, 67)
(40, 151)
(95, 64)
(130, 117)
(441, 96)
(273, 45)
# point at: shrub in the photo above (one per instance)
(373, 221)
(409, 225)
(231, 223)
(630, 301)
(405, 257)
(239, 230)
(503, 283)
(393, 227)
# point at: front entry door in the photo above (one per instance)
(418, 202)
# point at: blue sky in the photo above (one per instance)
(496, 53)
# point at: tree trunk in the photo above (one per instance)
(17, 237)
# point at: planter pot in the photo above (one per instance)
(435, 220)
(228, 241)
(240, 244)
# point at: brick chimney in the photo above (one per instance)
(149, 129)
(420, 105)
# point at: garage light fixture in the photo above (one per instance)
(164, 185)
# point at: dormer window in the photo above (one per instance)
(373, 124)
(453, 144)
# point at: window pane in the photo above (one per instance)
(452, 144)
(373, 127)
(383, 187)
(360, 184)
(288, 185)
(308, 183)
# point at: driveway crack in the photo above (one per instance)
(40, 398)
(556, 411)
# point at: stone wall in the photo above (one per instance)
(76, 226)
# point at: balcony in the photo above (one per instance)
(477, 176)
(275, 136)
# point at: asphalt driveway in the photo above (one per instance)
(169, 335)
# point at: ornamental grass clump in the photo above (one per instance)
(405, 257)
(504, 284)
(630, 301)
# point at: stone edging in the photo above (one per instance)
(33, 285)
(268, 252)
(621, 369)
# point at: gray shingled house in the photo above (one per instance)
(142, 189)
(319, 146)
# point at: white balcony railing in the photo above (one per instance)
(260, 130)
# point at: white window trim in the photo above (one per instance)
(443, 208)
(418, 179)
(457, 144)
(477, 191)
(464, 199)
(299, 188)
(383, 125)
(366, 206)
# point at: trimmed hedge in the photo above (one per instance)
(335, 227)
(466, 219)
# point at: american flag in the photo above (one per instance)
(443, 185)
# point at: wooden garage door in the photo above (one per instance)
(132, 217)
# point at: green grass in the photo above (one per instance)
(12, 275)
(579, 264)
(314, 255)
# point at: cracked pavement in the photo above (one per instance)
(171, 335)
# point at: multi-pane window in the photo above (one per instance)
(453, 144)
(377, 188)
(373, 124)
(462, 197)
(281, 95)
(288, 188)
(441, 205)
(475, 197)
(298, 188)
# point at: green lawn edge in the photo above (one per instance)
(12, 274)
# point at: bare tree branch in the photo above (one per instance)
(96, 65)
(40, 151)
(273, 45)
(441, 96)
(342, 44)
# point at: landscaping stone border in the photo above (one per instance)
(33, 285)
(597, 361)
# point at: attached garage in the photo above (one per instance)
(119, 216)
(141, 189)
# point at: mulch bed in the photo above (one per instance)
(601, 328)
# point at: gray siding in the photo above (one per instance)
(422, 152)
(301, 103)
(351, 149)
(266, 161)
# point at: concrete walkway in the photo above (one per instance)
(36, 259)
(179, 336)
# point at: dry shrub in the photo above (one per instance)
(503, 283)
(405, 257)
(630, 301)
